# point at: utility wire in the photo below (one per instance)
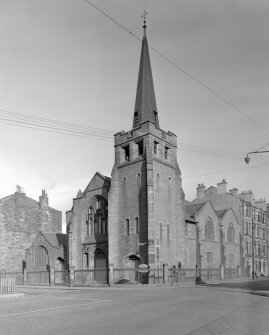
(210, 173)
(194, 176)
(84, 131)
(40, 120)
(209, 89)
(265, 145)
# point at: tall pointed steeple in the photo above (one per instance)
(145, 103)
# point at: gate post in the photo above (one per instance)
(25, 281)
(52, 276)
(222, 272)
(165, 273)
(72, 276)
(111, 280)
(239, 271)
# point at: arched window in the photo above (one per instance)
(209, 229)
(230, 233)
(97, 216)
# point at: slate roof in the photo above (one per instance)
(194, 208)
(56, 239)
(145, 102)
(187, 202)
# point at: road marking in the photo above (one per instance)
(53, 308)
(55, 298)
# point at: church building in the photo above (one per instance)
(137, 216)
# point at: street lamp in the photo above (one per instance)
(247, 159)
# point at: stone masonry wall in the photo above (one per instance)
(19, 225)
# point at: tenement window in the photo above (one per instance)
(230, 233)
(168, 233)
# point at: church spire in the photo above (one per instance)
(145, 103)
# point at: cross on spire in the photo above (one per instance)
(144, 19)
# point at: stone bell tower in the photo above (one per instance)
(146, 199)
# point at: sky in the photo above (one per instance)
(66, 61)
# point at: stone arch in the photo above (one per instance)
(41, 257)
(131, 262)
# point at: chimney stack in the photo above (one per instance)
(234, 191)
(261, 203)
(43, 200)
(247, 196)
(200, 191)
(222, 187)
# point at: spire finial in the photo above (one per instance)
(144, 19)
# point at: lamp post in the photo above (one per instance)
(247, 159)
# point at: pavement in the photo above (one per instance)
(188, 310)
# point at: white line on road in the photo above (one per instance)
(53, 308)
(56, 298)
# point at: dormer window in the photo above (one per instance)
(126, 152)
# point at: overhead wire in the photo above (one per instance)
(198, 81)
(193, 176)
(85, 131)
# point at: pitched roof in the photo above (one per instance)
(97, 181)
(56, 239)
(145, 102)
(194, 208)
(220, 212)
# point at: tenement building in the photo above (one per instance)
(21, 219)
(137, 216)
(251, 216)
(218, 237)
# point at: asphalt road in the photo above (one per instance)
(251, 285)
(193, 310)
